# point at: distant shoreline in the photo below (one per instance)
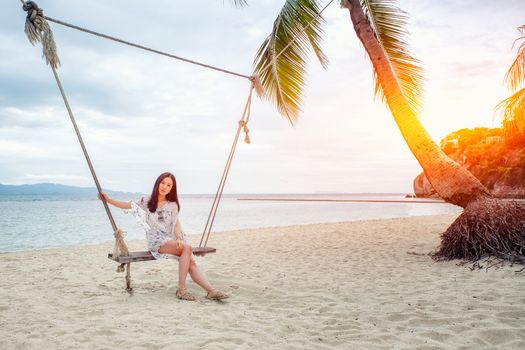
(341, 200)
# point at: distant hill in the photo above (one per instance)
(57, 190)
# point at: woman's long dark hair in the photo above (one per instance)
(172, 196)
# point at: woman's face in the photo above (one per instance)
(165, 186)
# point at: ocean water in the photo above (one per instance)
(28, 223)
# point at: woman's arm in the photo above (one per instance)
(177, 231)
(116, 203)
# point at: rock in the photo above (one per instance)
(423, 188)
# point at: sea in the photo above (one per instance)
(40, 222)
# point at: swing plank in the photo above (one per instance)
(146, 255)
(201, 251)
(133, 257)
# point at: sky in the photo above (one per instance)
(141, 114)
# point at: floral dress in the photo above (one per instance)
(158, 225)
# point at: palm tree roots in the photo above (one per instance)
(487, 228)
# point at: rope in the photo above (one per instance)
(218, 195)
(120, 247)
(36, 14)
(38, 30)
(82, 145)
(39, 16)
(105, 36)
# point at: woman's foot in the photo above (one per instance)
(183, 294)
(215, 294)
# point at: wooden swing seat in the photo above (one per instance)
(126, 260)
(146, 255)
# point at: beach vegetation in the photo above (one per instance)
(493, 157)
(513, 107)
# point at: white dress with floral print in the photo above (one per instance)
(158, 225)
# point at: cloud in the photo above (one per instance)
(30, 117)
(20, 150)
(141, 114)
(56, 178)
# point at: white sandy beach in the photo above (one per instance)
(353, 285)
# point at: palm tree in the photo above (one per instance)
(487, 226)
(513, 107)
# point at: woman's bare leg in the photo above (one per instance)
(198, 277)
(184, 255)
(187, 265)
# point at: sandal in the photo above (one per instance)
(183, 294)
(215, 294)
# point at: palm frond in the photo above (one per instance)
(389, 23)
(513, 113)
(280, 62)
(515, 76)
(239, 3)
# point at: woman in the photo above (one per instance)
(159, 216)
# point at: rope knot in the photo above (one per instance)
(32, 10)
(256, 83)
(120, 247)
(37, 30)
(242, 124)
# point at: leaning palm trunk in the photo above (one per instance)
(451, 181)
(487, 227)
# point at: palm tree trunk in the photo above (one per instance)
(451, 181)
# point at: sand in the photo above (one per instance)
(352, 285)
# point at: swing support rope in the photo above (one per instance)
(218, 195)
(38, 30)
(39, 16)
(120, 247)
